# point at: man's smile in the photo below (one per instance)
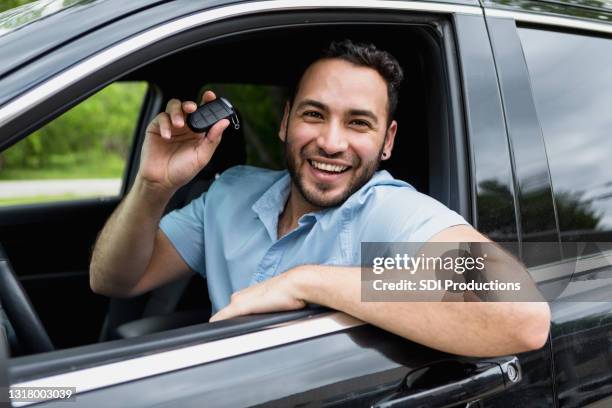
(328, 173)
(332, 168)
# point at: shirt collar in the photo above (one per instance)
(272, 202)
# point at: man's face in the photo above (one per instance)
(336, 131)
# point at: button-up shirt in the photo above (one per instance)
(229, 233)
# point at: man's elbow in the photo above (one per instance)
(535, 327)
(98, 287)
(101, 286)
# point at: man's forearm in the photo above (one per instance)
(124, 247)
(473, 329)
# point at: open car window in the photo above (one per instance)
(259, 94)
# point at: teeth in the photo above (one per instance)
(328, 167)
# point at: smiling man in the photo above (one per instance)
(278, 240)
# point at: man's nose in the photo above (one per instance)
(332, 139)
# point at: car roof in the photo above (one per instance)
(40, 36)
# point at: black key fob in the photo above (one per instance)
(210, 113)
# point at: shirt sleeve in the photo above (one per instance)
(433, 217)
(405, 215)
(185, 230)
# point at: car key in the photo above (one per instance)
(210, 113)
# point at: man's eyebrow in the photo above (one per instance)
(312, 102)
(364, 112)
(352, 112)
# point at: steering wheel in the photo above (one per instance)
(31, 334)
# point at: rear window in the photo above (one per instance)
(572, 87)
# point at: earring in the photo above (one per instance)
(384, 155)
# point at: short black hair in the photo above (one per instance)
(364, 55)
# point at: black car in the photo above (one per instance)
(504, 117)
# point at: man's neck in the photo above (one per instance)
(295, 207)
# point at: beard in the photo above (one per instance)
(316, 195)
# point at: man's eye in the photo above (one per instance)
(360, 123)
(313, 114)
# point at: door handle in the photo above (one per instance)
(467, 382)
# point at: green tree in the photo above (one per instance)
(99, 127)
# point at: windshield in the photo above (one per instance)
(23, 15)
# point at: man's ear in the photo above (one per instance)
(389, 140)
(282, 132)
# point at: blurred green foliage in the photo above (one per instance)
(261, 111)
(97, 131)
(9, 4)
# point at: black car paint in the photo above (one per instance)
(580, 327)
(498, 119)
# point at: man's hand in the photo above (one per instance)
(172, 154)
(273, 295)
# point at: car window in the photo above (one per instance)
(78, 155)
(572, 89)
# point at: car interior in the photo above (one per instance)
(46, 250)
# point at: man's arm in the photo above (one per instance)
(471, 329)
(132, 255)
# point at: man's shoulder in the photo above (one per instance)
(384, 191)
(387, 199)
(393, 210)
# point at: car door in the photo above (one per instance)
(324, 359)
(552, 88)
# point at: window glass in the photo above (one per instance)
(78, 155)
(572, 86)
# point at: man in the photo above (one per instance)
(269, 241)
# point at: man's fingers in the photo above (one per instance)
(189, 106)
(208, 96)
(163, 121)
(175, 110)
(225, 313)
(215, 132)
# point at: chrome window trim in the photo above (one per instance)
(549, 20)
(42, 92)
(89, 379)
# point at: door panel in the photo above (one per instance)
(354, 368)
(50, 246)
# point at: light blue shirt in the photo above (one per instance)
(229, 234)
